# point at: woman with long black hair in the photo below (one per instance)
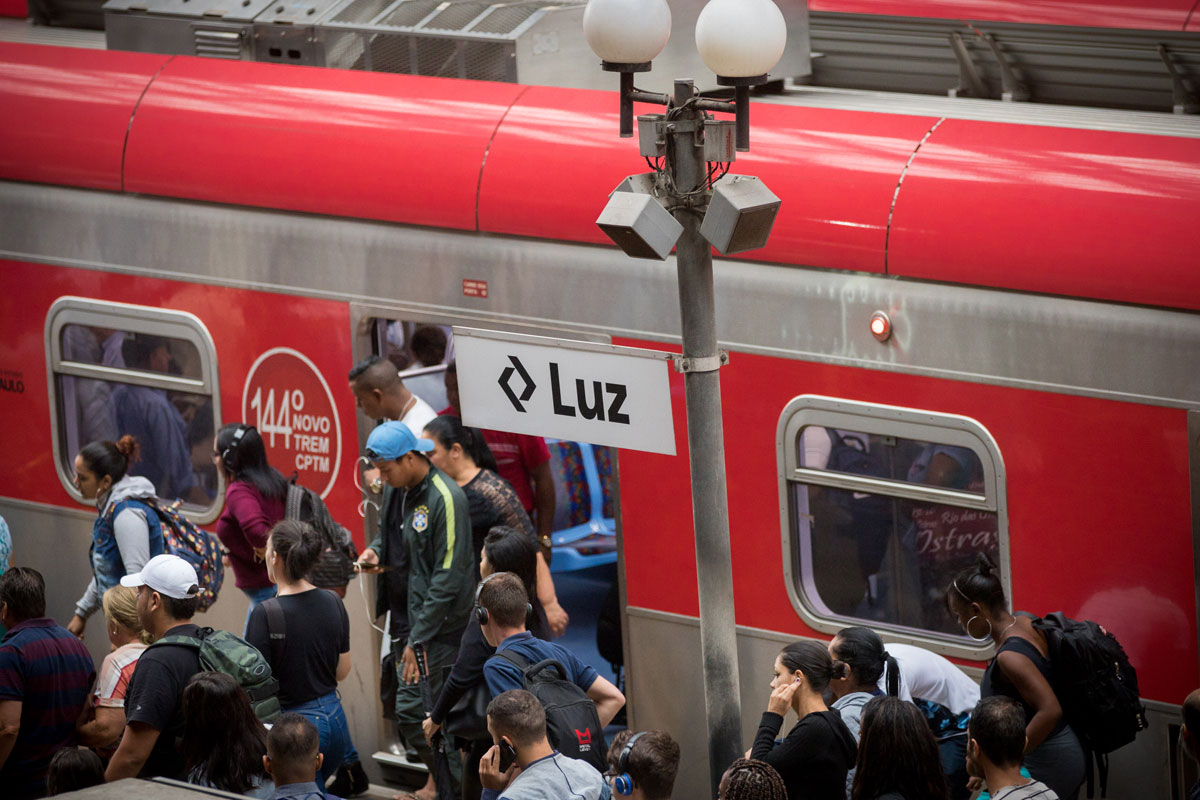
(223, 743)
(1022, 671)
(897, 755)
(462, 453)
(819, 750)
(127, 531)
(255, 497)
(308, 643)
(504, 550)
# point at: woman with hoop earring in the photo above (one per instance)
(1021, 670)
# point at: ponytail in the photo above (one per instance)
(111, 458)
(861, 651)
(893, 674)
(298, 545)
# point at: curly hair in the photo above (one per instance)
(750, 779)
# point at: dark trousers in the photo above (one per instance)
(410, 709)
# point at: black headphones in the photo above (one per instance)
(227, 455)
(623, 783)
(481, 613)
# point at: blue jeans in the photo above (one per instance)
(257, 596)
(330, 720)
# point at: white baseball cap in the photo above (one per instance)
(166, 574)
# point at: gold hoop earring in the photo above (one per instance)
(975, 638)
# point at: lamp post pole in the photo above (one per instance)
(706, 440)
(740, 41)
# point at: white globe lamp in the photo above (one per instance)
(627, 32)
(741, 38)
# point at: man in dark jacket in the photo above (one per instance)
(436, 534)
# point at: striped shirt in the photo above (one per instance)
(49, 672)
(1034, 790)
(115, 673)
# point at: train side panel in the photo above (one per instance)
(1094, 489)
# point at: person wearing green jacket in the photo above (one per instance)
(434, 542)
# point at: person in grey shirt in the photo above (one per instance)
(517, 723)
(995, 748)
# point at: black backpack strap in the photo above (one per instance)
(276, 628)
(516, 659)
(292, 504)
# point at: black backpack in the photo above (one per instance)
(572, 724)
(335, 567)
(1096, 686)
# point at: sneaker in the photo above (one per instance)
(350, 781)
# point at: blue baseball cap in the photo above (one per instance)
(393, 439)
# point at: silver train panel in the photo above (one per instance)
(1038, 342)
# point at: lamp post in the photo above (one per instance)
(684, 204)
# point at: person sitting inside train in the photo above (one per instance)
(642, 766)
(819, 750)
(1020, 670)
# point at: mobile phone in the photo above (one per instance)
(507, 755)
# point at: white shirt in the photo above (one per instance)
(927, 675)
(418, 416)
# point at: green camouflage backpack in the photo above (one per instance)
(221, 651)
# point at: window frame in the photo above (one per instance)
(168, 323)
(908, 423)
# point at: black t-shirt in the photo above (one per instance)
(155, 697)
(813, 758)
(318, 631)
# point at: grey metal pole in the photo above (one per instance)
(706, 451)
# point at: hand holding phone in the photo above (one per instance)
(507, 755)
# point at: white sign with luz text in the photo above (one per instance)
(564, 389)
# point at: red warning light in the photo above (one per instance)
(881, 326)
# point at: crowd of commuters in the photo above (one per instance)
(466, 589)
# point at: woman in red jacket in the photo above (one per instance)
(255, 494)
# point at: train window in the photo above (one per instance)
(420, 352)
(883, 506)
(121, 369)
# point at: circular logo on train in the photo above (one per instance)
(288, 400)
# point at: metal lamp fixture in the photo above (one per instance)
(627, 35)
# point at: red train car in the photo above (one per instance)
(1039, 271)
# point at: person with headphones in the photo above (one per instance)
(642, 766)
(501, 608)
(522, 765)
(255, 497)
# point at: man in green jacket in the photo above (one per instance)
(436, 534)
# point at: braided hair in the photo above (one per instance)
(751, 779)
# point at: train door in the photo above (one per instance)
(584, 562)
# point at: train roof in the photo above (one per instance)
(1105, 208)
